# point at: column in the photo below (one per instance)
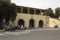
(21, 9)
(28, 10)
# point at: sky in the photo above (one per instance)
(41, 4)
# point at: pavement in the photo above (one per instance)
(22, 32)
(19, 32)
(32, 34)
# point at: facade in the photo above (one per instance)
(34, 18)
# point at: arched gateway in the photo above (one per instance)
(41, 23)
(31, 23)
(21, 22)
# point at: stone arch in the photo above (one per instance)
(41, 23)
(31, 23)
(21, 22)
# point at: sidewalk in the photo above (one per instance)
(21, 32)
(14, 33)
(34, 29)
(43, 29)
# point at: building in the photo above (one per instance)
(34, 18)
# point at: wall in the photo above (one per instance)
(48, 22)
(53, 22)
(27, 17)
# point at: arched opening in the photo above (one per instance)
(41, 23)
(31, 23)
(21, 22)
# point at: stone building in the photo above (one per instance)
(34, 18)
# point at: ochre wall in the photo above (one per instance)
(59, 23)
(27, 17)
(53, 22)
(48, 22)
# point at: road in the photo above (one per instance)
(33, 35)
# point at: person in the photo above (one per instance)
(18, 27)
(6, 27)
(21, 26)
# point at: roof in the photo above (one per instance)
(31, 8)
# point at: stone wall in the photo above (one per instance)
(27, 17)
(48, 22)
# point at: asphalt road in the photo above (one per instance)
(35, 35)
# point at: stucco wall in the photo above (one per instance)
(48, 22)
(53, 22)
(27, 17)
(59, 23)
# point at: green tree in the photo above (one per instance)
(57, 12)
(49, 12)
(8, 1)
(7, 11)
(12, 12)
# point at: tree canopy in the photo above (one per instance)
(49, 12)
(57, 12)
(8, 1)
(7, 11)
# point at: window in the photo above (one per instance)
(25, 10)
(37, 11)
(31, 11)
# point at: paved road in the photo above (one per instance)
(39, 34)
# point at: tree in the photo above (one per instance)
(12, 12)
(57, 12)
(49, 12)
(7, 11)
(8, 1)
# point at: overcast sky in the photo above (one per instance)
(43, 4)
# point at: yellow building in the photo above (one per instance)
(34, 18)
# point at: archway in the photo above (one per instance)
(41, 23)
(31, 23)
(21, 22)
